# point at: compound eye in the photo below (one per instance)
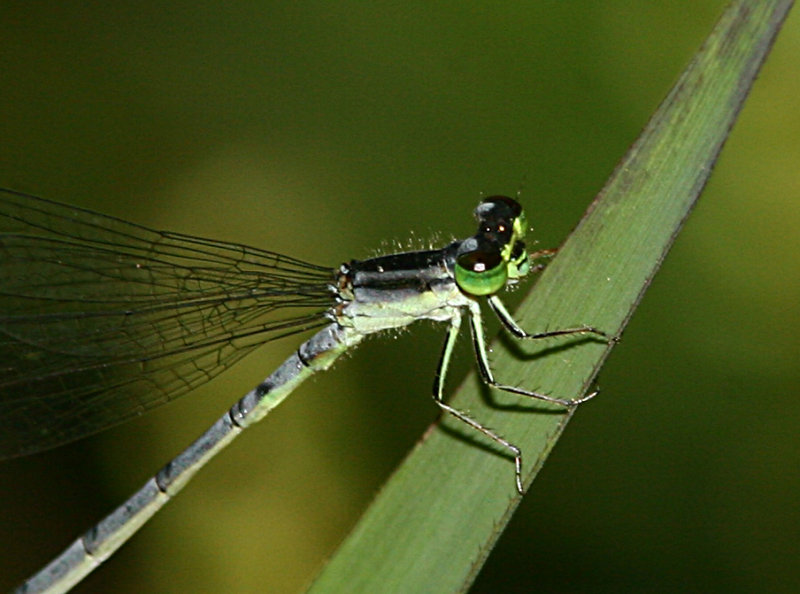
(498, 206)
(481, 272)
(498, 216)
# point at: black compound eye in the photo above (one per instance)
(498, 207)
(482, 271)
(480, 261)
(496, 215)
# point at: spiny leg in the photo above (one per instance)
(438, 387)
(508, 321)
(479, 343)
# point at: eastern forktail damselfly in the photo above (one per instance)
(102, 319)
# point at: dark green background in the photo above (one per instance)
(334, 131)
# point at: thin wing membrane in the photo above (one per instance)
(102, 320)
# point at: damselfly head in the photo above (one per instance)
(496, 254)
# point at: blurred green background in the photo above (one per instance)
(337, 131)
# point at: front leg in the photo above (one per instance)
(511, 325)
(479, 343)
(438, 398)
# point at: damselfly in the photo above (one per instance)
(101, 320)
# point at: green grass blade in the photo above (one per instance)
(437, 519)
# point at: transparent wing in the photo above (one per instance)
(102, 320)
